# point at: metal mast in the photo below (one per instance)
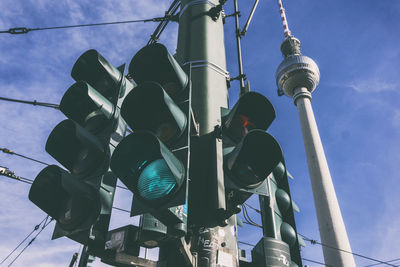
(201, 46)
(297, 77)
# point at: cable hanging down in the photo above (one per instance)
(34, 229)
(22, 30)
(45, 224)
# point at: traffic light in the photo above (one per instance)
(153, 160)
(80, 198)
(277, 213)
(250, 154)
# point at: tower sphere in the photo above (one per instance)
(297, 71)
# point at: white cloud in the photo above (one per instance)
(373, 85)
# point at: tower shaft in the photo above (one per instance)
(331, 226)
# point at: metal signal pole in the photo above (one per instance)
(201, 45)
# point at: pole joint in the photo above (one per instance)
(301, 92)
(239, 77)
(215, 11)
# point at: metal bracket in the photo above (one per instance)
(205, 63)
(193, 3)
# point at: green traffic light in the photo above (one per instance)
(147, 167)
(156, 180)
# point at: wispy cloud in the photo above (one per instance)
(374, 85)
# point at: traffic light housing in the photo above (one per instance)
(250, 154)
(80, 198)
(277, 211)
(153, 160)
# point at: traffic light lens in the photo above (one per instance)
(156, 180)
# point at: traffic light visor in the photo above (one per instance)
(94, 69)
(77, 149)
(147, 167)
(148, 107)
(47, 191)
(90, 109)
(66, 199)
(251, 111)
(253, 159)
(155, 63)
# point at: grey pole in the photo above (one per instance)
(297, 77)
(201, 44)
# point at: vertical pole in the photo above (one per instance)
(267, 213)
(84, 257)
(239, 48)
(331, 226)
(201, 44)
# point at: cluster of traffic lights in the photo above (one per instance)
(152, 161)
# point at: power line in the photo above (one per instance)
(171, 12)
(317, 262)
(122, 187)
(375, 264)
(10, 174)
(121, 209)
(34, 229)
(30, 242)
(8, 151)
(22, 30)
(34, 102)
(247, 244)
(313, 261)
(313, 242)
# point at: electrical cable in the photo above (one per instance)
(171, 12)
(313, 261)
(122, 187)
(34, 229)
(8, 151)
(313, 242)
(22, 30)
(248, 218)
(251, 207)
(247, 244)
(21, 179)
(121, 209)
(30, 242)
(375, 264)
(34, 102)
(317, 262)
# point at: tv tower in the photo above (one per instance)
(297, 77)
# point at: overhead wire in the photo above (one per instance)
(313, 242)
(34, 102)
(34, 229)
(32, 240)
(375, 264)
(317, 262)
(171, 12)
(313, 261)
(23, 30)
(8, 151)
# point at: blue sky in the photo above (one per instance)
(355, 44)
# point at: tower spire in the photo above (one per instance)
(286, 30)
